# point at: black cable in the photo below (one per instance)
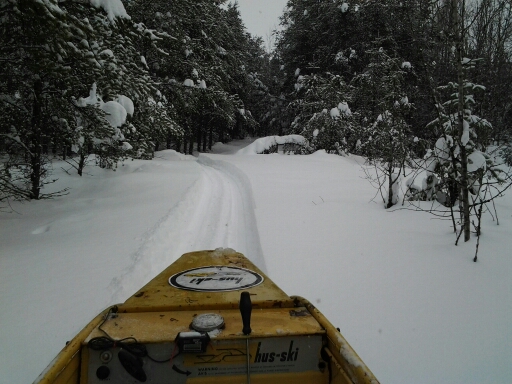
(130, 344)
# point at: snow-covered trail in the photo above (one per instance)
(216, 212)
(413, 306)
(231, 200)
(64, 260)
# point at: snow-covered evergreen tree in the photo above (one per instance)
(481, 169)
(113, 41)
(39, 43)
(53, 52)
(323, 116)
(383, 105)
(202, 64)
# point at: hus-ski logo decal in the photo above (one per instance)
(215, 279)
(269, 357)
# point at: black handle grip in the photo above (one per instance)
(245, 310)
(132, 364)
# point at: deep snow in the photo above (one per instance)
(413, 306)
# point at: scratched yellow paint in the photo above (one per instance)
(159, 295)
(155, 327)
(159, 311)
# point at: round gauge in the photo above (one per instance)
(207, 322)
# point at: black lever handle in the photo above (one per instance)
(246, 309)
(132, 364)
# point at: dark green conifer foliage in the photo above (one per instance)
(35, 84)
(384, 105)
(205, 64)
(54, 53)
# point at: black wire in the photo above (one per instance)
(112, 310)
(130, 344)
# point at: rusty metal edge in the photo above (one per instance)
(347, 358)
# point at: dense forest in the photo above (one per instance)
(119, 80)
(97, 81)
(409, 85)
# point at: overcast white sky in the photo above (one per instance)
(261, 16)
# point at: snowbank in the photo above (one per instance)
(262, 144)
(62, 261)
(414, 307)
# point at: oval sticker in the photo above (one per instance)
(217, 278)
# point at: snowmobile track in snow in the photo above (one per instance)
(232, 222)
(216, 212)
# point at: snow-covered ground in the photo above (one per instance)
(414, 306)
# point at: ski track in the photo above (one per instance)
(240, 229)
(216, 212)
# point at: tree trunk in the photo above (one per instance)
(460, 116)
(390, 187)
(36, 143)
(169, 137)
(199, 136)
(221, 133)
(81, 161)
(210, 137)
